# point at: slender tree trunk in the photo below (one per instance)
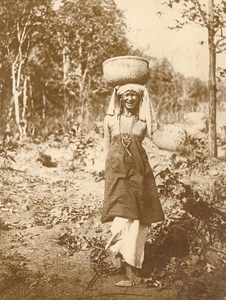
(23, 114)
(16, 94)
(9, 116)
(66, 63)
(43, 104)
(82, 109)
(212, 84)
(66, 67)
(23, 122)
(83, 99)
(31, 99)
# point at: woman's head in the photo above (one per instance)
(130, 96)
(138, 88)
(144, 109)
(130, 101)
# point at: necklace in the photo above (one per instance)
(126, 137)
(127, 115)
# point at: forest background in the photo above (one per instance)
(51, 68)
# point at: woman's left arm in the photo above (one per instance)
(107, 135)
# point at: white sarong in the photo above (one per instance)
(128, 239)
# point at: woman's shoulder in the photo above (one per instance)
(110, 118)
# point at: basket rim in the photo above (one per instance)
(135, 57)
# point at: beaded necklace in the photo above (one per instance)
(127, 137)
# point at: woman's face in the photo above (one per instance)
(130, 100)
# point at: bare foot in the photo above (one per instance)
(133, 279)
(132, 276)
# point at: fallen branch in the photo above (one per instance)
(11, 169)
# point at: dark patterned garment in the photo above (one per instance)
(130, 188)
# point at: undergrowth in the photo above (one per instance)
(187, 249)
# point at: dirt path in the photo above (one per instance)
(49, 218)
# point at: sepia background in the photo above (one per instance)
(53, 100)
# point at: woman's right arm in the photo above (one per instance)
(107, 135)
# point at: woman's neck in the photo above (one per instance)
(128, 113)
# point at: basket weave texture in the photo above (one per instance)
(169, 137)
(125, 69)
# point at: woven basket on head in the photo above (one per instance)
(125, 69)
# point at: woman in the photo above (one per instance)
(131, 198)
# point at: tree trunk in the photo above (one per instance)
(66, 63)
(23, 123)
(16, 94)
(23, 114)
(212, 136)
(43, 105)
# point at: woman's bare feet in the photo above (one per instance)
(133, 279)
(132, 276)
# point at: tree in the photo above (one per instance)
(87, 33)
(195, 92)
(20, 23)
(51, 61)
(211, 17)
(165, 86)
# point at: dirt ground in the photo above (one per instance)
(48, 218)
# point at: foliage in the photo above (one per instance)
(172, 93)
(56, 56)
(165, 87)
(8, 149)
(61, 58)
(81, 153)
(5, 154)
(22, 24)
(181, 246)
(212, 18)
(194, 11)
(195, 92)
(82, 145)
(184, 253)
(46, 160)
(192, 160)
(83, 40)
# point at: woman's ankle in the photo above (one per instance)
(118, 260)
